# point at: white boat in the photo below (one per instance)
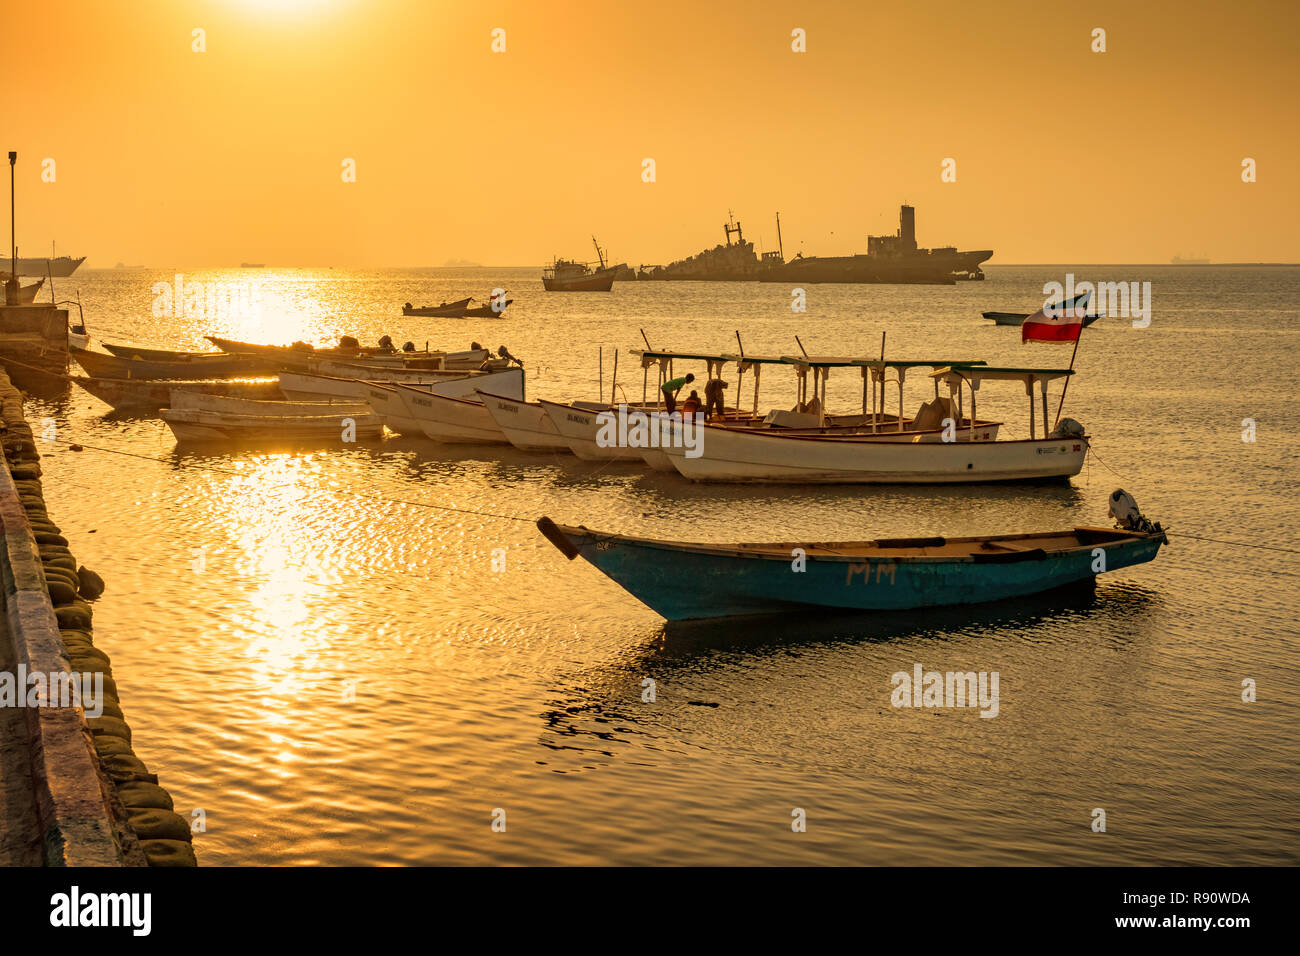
(388, 405)
(448, 420)
(507, 382)
(736, 455)
(234, 405)
(525, 424)
(579, 427)
(192, 424)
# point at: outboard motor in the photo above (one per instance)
(474, 346)
(408, 346)
(386, 342)
(504, 353)
(1068, 428)
(1124, 509)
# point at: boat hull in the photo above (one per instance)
(687, 581)
(599, 282)
(26, 293)
(507, 382)
(452, 421)
(736, 456)
(457, 312)
(157, 355)
(235, 405)
(134, 395)
(102, 365)
(526, 425)
(59, 267)
(194, 425)
(579, 428)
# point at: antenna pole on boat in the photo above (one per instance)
(779, 246)
(801, 348)
(1066, 387)
(740, 344)
(13, 234)
(600, 388)
(613, 378)
(646, 341)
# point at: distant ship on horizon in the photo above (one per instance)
(889, 259)
(567, 275)
(1180, 261)
(733, 262)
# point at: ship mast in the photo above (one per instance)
(599, 255)
(733, 226)
(780, 248)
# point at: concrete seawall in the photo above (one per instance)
(72, 791)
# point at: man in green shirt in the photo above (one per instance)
(672, 387)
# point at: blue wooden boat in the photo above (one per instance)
(686, 581)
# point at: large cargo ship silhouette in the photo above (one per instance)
(889, 259)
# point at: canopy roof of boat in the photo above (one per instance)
(980, 373)
(918, 363)
(822, 361)
(657, 354)
(832, 361)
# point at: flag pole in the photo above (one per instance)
(1065, 388)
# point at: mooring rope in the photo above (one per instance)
(505, 517)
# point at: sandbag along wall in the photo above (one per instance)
(96, 801)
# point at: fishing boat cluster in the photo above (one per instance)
(473, 397)
(252, 392)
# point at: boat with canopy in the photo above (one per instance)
(775, 455)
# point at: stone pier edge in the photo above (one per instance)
(96, 802)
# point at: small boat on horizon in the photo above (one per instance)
(684, 581)
(460, 309)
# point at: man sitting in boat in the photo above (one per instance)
(672, 387)
(691, 407)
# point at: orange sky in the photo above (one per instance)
(167, 157)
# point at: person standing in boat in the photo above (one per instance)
(672, 387)
(713, 403)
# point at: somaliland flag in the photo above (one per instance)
(1058, 322)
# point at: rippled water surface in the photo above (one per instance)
(334, 670)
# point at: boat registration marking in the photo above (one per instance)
(882, 569)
